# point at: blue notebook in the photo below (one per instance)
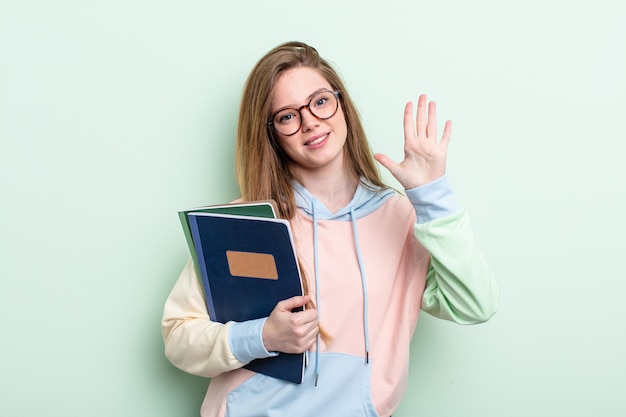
(264, 208)
(248, 264)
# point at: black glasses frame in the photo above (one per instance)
(335, 93)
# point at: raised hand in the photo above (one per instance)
(289, 332)
(424, 156)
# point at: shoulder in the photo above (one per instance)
(396, 212)
(398, 203)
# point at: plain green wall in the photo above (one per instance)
(115, 114)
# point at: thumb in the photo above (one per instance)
(385, 161)
(293, 302)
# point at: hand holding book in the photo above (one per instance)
(288, 331)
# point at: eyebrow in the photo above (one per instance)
(308, 99)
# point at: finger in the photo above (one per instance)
(431, 130)
(305, 334)
(310, 346)
(447, 132)
(293, 302)
(305, 318)
(409, 126)
(310, 328)
(312, 335)
(305, 343)
(421, 116)
(385, 161)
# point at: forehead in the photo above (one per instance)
(294, 86)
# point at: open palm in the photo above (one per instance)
(424, 156)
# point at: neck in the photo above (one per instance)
(334, 191)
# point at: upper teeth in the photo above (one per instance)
(316, 141)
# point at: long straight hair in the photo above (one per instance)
(263, 168)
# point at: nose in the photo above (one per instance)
(309, 120)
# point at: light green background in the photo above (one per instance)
(115, 114)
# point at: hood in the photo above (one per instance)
(367, 199)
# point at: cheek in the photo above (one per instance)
(287, 145)
(342, 127)
(282, 142)
(342, 123)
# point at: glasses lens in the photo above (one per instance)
(324, 105)
(287, 122)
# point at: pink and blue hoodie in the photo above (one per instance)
(372, 267)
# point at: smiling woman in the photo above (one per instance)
(371, 258)
(316, 147)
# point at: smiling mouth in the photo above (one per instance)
(316, 140)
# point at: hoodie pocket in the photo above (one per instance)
(343, 389)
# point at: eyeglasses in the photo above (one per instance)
(323, 105)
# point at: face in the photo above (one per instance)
(318, 145)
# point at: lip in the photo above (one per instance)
(317, 140)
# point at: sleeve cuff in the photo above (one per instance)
(246, 340)
(433, 200)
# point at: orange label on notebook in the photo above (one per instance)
(251, 265)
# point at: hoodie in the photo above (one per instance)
(372, 267)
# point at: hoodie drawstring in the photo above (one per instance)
(317, 287)
(317, 293)
(364, 286)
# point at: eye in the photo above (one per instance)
(286, 116)
(322, 100)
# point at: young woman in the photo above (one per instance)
(372, 258)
